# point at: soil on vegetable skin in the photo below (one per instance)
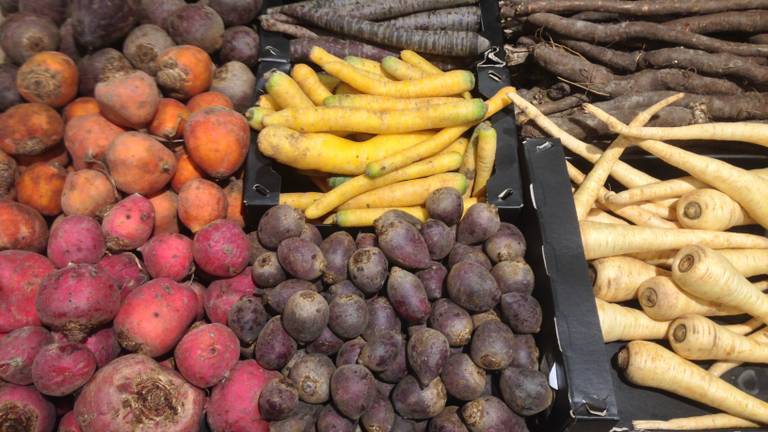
(153, 400)
(14, 418)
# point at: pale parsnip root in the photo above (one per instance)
(710, 209)
(600, 215)
(661, 300)
(755, 133)
(748, 262)
(704, 422)
(617, 278)
(695, 337)
(721, 367)
(619, 323)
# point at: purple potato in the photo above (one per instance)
(433, 280)
(278, 399)
(274, 347)
(353, 390)
(402, 244)
(380, 416)
(336, 249)
(407, 295)
(279, 223)
(350, 352)
(301, 259)
(101, 66)
(305, 316)
(526, 391)
(100, 23)
(144, 44)
(381, 317)
(9, 96)
(480, 223)
(462, 378)
(330, 420)
(348, 316)
(196, 24)
(364, 240)
(381, 351)
(439, 238)
(412, 401)
(312, 377)
(240, 44)
(452, 321)
(23, 35)
(514, 276)
(235, 12)
(493, 345)
(445, 204)
(428, 352)
(447, 421)
(490, 413)
(462, 252)
(247, 318)
(472, 287)
(266, 271)
(278, 296)
(522, 312)
(327, 343)
(368, 269)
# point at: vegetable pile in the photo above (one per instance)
(391, 134)
(669, 246)
(623, 56)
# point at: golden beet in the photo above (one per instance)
(139, 163)
(48, 77)
(30, 129)
(217, 140)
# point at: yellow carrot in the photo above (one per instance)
(598, 215)
(702, 422)
(485, 157)
(255, 116)
(330, 153)
(624, 173)
(361, 184)
(459, 146)
(268, 102)
(468, 163)
(662, 299)
(366, 216)
(603, 240)
(437, 143)
(407, 193)
(401, 70)
(695, 337)
(329, 81)
(299, 200)
(334, 119)
(721, 367)
(307, 79)
(648, 364)
(710, 209)
(344, 88)
(616, 279)
(619, 323)
(706, 274)
(383, 103)
(755, 133)
(286, 91)
(371, 66)
(414, 59)
(587, 193)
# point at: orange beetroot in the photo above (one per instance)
(129, 100)
(87, 138)
(87, 192)
(221, 249)
(186, 170)
(18, 350)
(21, 227)
(217, 140)
(21, 275)
(134, 393)
(168, 256)
(75, 239)
(125, 270)
(60, 369)
(40, 187)
(209, 99)
(222, 294)
(79, 107)
(128, 224)
(8, 168)
(200, 203)
(206, 353)
(166, 206)
(234, 192)
(169, 119)
(68, 423)
(77, 299)
(48, 77)
(139, 163)
(184, 71)
(30, 129)
(103, 344)
(155, 316)
(24, 408)
(55, 155)
(233, 405)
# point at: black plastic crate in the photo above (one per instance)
(265, 178)
(588, 361)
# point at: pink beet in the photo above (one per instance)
(129, 223)
(126, 270)
(104, 346)
(155, 316)
(231, 407)
(135, 394)
(169, 256)
(199, 290)
(68, 423)
(77, 299)
(75, 239)
(17, 352)
(205, 354)
(221, 248)
(60, 369)
(21, 274)
(222, 294)
(24, 409)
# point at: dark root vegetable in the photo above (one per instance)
(23, 35)
(513, 276)
(414, 402)
(472, 287)
(353, 390)
(196, 24)
(447, 421)
(446, 205)
(329, 420)
(301, 259)
(490, 412)
(56, 10)
(236, 12)
(522, 312)
(279, 223)
(9, 96)
(278, 399)
(381, 350)
(99, 23)
(144, 44)
(305, 315)
(381, 317)
(274, 346)
(462, 252)
(350, 351)
(452, 321)
(68, 45)
(235, 80)
(278, 296)
(526, 391)
(336, 249)
(407, 295)
(241, 43)
(101, 66)
(327, 343)
(312, 377)
(266, 270)
(493, 345)
(348, 316)
(368, 269)
(463, 379)
(402, 243)
(427, 354)
(433, 280)
(22, 408)
(439, 238)
(247, 318)
(380, 416)
(480, 223)
(157, 11)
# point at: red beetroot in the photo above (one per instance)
(104, 346)
(125, 270)
(77, 299)
(60, 369)
(17, 352)
(155, 316)
(68, 423)
(221, 248)
(222, 294)
(169, 256)
(199, 290)
(24, 409)
(75, 239)
(233, 406)
(205, 355)
(21, 274)
(135, 394)
(129, 223)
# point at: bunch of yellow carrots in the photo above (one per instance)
(376, 135)
(666, 245)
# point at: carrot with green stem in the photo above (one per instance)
(710, 209)
(706, 274)
(702, 422)
(650, 365)
(587, 193)
(307, 79)
(619, 323)
(286, 92)
(485, 157)
(401, 70)
(407, 193)
(414, 59)
(617, 279)
(695, 337)
(382, 103)
(604, 240)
